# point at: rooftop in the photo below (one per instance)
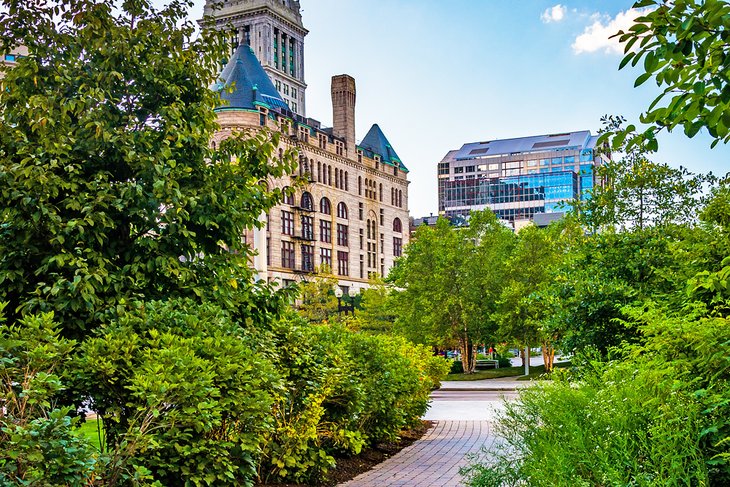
(580, 140)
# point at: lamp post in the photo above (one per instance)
(342, 304)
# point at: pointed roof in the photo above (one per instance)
(252, 87)
(375, 142)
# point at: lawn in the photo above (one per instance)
(517, 372)
(89, 430)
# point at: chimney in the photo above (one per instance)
(343, 109)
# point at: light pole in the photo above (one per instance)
(342, 304)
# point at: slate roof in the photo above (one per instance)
(252, 87)
(375, 142)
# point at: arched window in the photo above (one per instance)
(307, 203)
(329, 175)
(347, 177)
(288, 196)
(337, 178)
(342, 210)
(397, 225)
(380, 192)
(359, 185)
(325, 207)
(319, 171)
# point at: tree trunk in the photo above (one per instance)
(522, 356)
(548, 355)
(468, 354)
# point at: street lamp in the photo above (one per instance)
(342, 304)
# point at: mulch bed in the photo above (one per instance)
(350, 467)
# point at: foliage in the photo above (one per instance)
(451, 278)
(525, 304)
(683, 46)
(180, 391)
(318, 302)
(657, 415)
(343, 390)
(639, 193)
(39, 446)
(109, 188)
(377, 314)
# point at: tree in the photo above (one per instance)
(639, 193)
(451, 278)
(684, 48)
(317, 299)
(525, 304)
(109, 189)
(377, 314)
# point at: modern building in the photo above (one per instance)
(351, 214)
(274, 30)
(519, 178)
(10, 59)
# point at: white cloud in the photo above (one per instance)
(554, 14)
(597, 36)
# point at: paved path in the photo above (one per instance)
(463, 425)
(432, 461)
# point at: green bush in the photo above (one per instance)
(343, 390)
(38, 442)
(658, 415)
(456, 367)
(181, 392)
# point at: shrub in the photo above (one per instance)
(39, 446)
(656, 416)
(180, 389)
(343, 390)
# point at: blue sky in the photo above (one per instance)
(435, 75)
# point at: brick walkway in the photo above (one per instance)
(433, 461)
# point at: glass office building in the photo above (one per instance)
(518, 178)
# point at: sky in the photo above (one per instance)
(437, 74)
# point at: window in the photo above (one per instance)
(443, 168)
(382, 217)
(287, 222)
(342, 232)
(361, 210)
(470, 168)
(380, 192)
(362, 266)
(458, 170)
(359, 185)
(325, 231)
(288, 196)
(294, 93)
(325, 258)
(307, 227)
(362, 238)
(307, 258)
(397, 225)
(397, 246)
(307, 203)
(343, 263)
(325, 207)
(342, 210)
(287, 255)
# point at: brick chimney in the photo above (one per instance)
(343, 109)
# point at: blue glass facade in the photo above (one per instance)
(517, 178)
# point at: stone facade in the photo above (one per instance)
(307, 232)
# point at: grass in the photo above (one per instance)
(517, 372)
(89, 431)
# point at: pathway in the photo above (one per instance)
(463, 425)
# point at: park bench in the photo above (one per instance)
(484, 363)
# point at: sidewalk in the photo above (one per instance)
(501, 384)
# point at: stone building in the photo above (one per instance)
(351, 215)
(274, 30)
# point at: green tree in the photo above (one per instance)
(109, 188)
(451, 279)
(377, 314)
(639, 193)
(526, 304)
(318, 303)
(684, 48)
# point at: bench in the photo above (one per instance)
(484, 363)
